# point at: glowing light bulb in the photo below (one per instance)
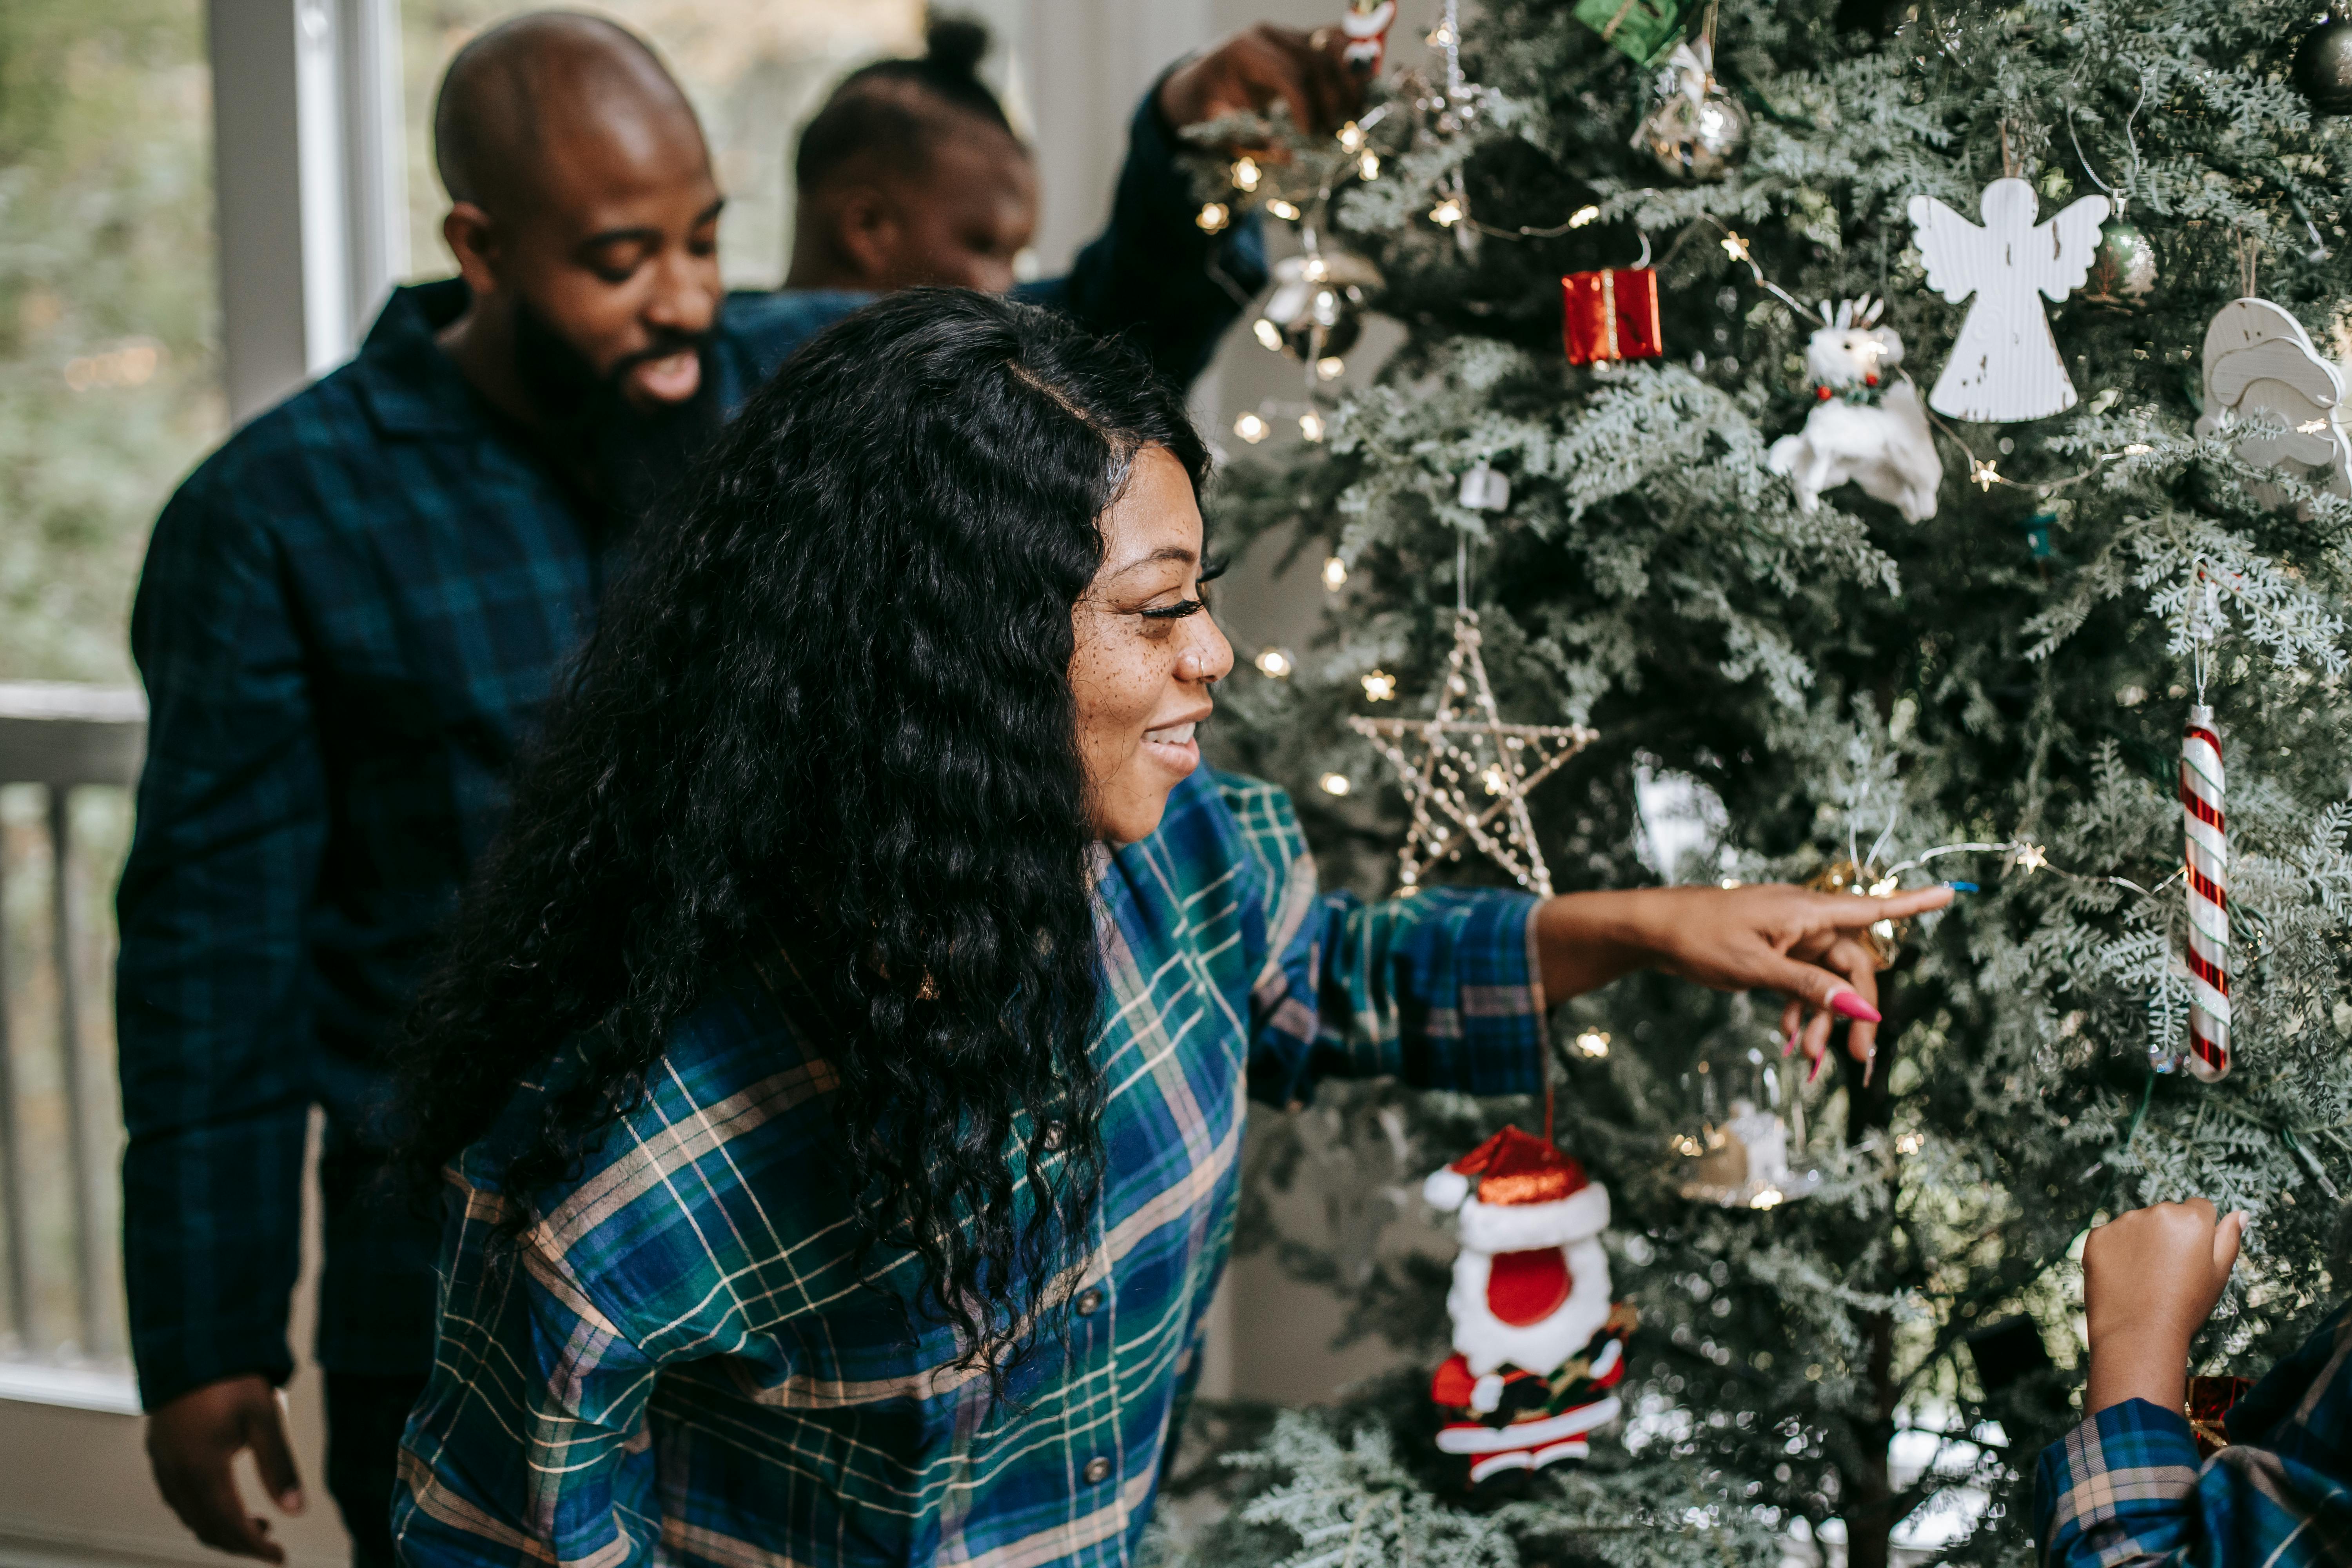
(1768, 1199)
(1351, 137)
(1369, 165)
(1492, 777)
(1593, 1043)
(1335, 784)
(1446, 214)
(1379, 686)
(1275, 663)
(1313, 270)
(1212, 216)
(1250, 428)
(1909, 1143)
(1266, 332)
(1282, 210)
(1310, 426)
(1334, 573)
(1246, 174)
(1330, 367)
(1582, 217)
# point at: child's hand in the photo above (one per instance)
(2151, 1279)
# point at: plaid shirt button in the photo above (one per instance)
(1098, 1471)
(1088, 1303)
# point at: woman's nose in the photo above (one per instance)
(1209, 657)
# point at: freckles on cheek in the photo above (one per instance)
(1093, 691)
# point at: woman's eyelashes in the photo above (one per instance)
(1177, 611)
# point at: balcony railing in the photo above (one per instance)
(68, 756)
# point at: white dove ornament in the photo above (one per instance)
(2005, 365)
(2258, 360)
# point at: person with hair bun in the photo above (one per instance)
(911, 174)
(836, 1070)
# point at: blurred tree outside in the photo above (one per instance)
(109, 353)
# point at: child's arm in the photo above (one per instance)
(2127, 1487)
(2150, 1281)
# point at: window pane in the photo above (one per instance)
(110, 385)
(754, 68)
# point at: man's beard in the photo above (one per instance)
(630, 456)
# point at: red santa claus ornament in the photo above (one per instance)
(1539, 1346)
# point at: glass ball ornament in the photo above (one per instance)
(2122, 268)
(2322, 71)
(1316, 308)
(1697, 131)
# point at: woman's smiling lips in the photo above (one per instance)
(1173, 747)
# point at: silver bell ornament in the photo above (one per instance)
(2122, 268)
(2323, 63)
(1697, 131)
(1316, 308)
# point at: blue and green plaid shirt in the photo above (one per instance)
(349, 620)
(2126, 1489)
(681, 1364)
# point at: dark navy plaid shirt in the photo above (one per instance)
(2126, 1490)
(349, 620)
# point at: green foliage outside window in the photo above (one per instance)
(109, 379)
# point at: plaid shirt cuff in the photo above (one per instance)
(2116, 1487)
(170, 1365)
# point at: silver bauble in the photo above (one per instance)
(2322, 65)
(1316, 305)
(1698, 132)
(2122, 268)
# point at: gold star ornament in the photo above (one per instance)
(1466, 774)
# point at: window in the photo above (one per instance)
(109, 391)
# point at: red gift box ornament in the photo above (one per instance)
(2210, 1400)
(1611, 315)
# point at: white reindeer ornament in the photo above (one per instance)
(1862, 430)
(2005, 365)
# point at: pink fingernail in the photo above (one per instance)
(1815, 1071)
(1846, 1004)
(1788, 1046)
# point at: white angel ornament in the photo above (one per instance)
(2005, 365)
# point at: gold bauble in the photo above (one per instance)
(1884, 938)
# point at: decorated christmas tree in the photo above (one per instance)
(1909, 437)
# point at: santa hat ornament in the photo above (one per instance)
(1538, 1343)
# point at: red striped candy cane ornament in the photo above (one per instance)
(2208, 846)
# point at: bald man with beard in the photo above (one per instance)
(349, 618)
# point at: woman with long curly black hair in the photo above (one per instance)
(840, 1067)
